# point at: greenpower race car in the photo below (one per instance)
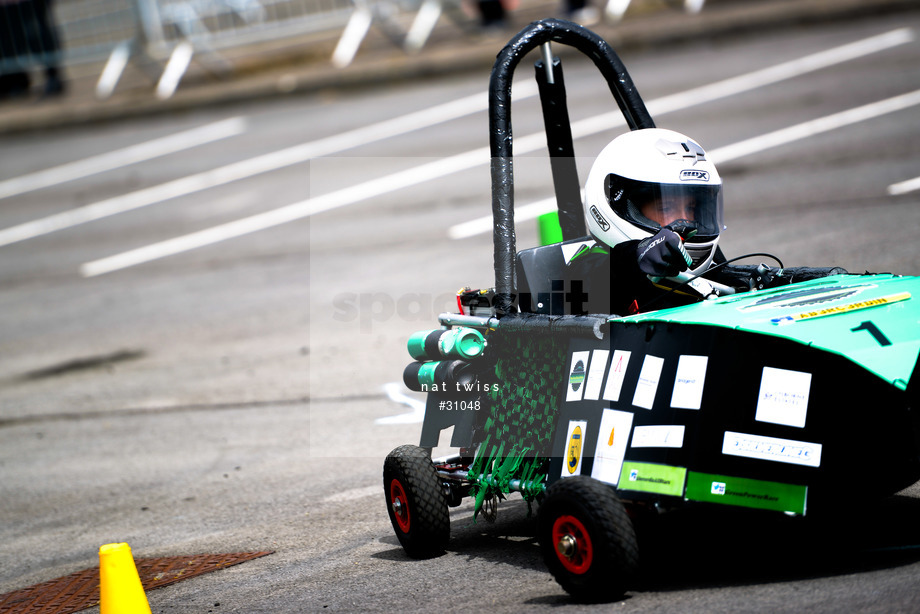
(776, 392)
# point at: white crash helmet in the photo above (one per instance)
(645, 179)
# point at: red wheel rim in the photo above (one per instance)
(399, 503)
(572, 544)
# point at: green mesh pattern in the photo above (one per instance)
(518, 434)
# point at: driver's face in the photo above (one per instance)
(669, 209)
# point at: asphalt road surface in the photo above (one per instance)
(203, 315)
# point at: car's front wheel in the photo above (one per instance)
(587, 539)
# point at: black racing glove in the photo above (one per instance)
(662, 255)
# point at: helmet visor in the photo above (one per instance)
(654, 205)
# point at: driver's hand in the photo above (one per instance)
(662, 255)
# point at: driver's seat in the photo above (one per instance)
(543, 283)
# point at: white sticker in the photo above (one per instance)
(570, 249)
(648, 382)
(772, 449)
(658, 436)
(688, 383)
(611, 445)
(575, 446)
(783, 397)
(615, 377)
(596, 374)
(577, 373)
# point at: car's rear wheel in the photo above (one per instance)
(415, 503)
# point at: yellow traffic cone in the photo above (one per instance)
(120, 589)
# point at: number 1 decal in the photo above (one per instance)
(874, 331)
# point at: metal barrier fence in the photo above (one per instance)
(46, 34)
(39, 33)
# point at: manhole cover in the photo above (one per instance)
(80, 590)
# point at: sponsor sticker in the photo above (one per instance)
(688, 383)
(694, 175)
(596, 374)
(658, 436)
(839, 309)
(587, 371)
(648, 477)
(611, 445)
(798, 298)
(647, 385)
(601, 221)
(772, 449)
(783, 397)
(617, 373)
(577, 374)
(574, 448)
(746, 492)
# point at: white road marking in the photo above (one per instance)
(786, 70)
(394, 391)
(815, 126)
(737, 150)
(453, 164)
(482, 225)
(289, 213)
(708, 93)
(896, 189)
(751, 81)
(123, 157)
(354, 494)
(253, 166)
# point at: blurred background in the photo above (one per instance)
(220, 221)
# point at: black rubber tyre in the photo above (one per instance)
(415, 503)
(587, 539)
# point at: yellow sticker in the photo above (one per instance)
(830, 311)
(574, 457)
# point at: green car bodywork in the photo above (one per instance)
(842, 314)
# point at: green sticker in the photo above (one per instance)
(577, 377)
(746, 492)
(658, 479)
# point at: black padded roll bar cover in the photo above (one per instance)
(564, 327)
(561, 150)
(502, 172)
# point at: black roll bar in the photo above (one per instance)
(500, 135)
(561, 150)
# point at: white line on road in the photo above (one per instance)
(737, 150)
(289, 213)
(123, 157)
(815, 126)
(394, 392)
(446, 166)
(753, 80)
(353, 494)
(789, 70)
(482, 225)
(896, 189)
(253, 166)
